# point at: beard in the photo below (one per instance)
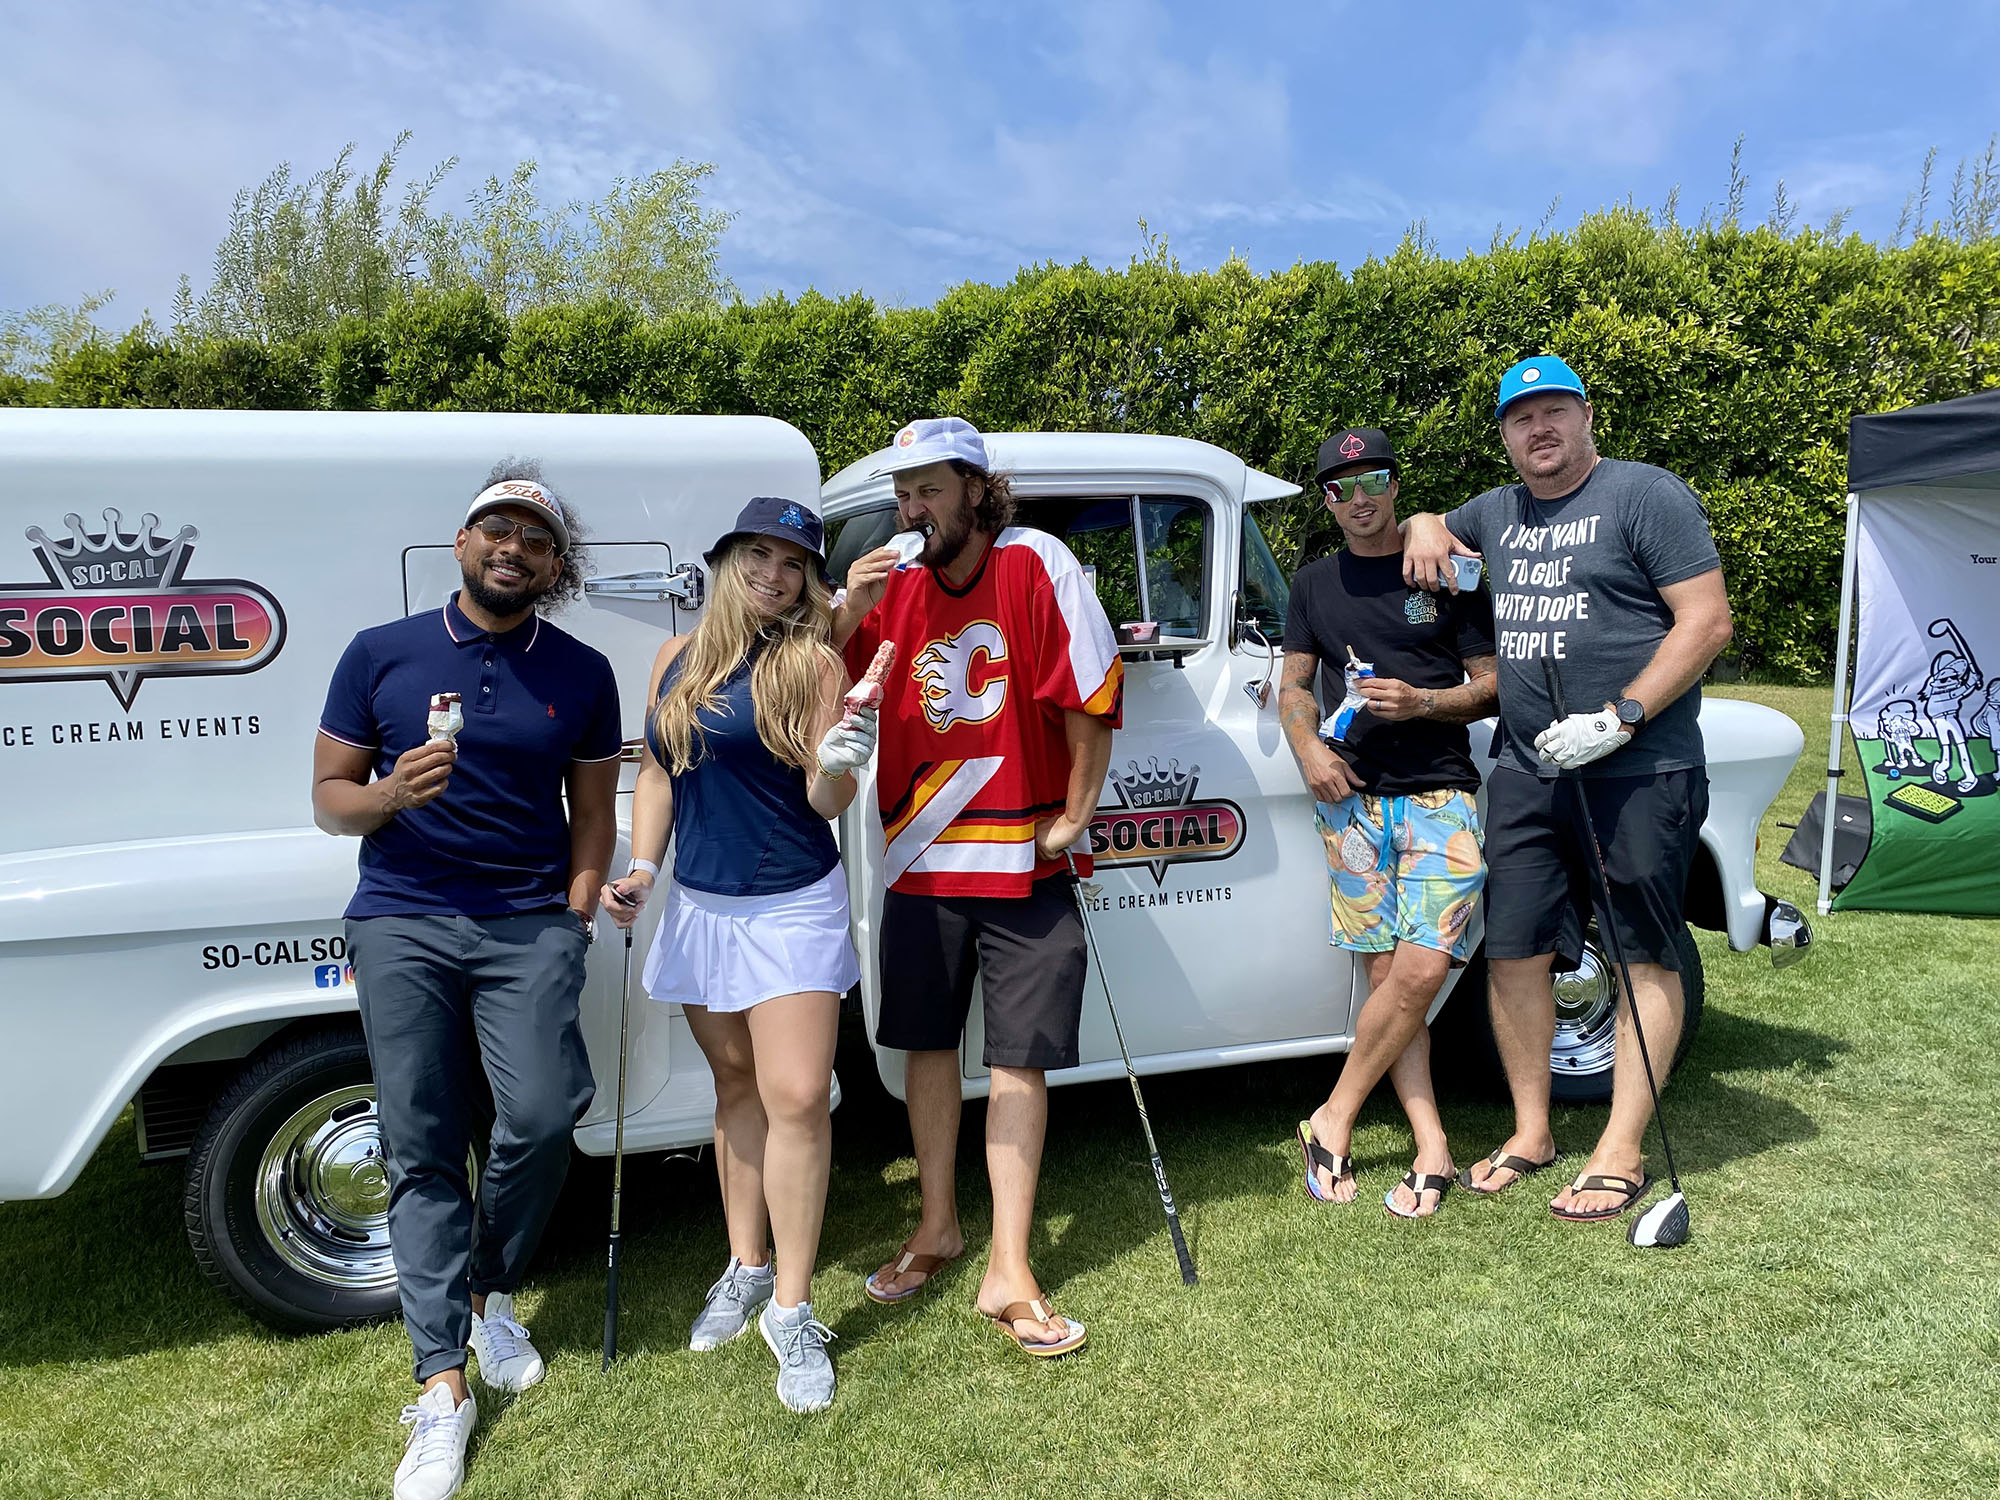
(501, 601)
(947, 541)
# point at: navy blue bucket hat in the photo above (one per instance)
(769, 515)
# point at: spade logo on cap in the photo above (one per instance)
(1353, 446)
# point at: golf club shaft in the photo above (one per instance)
(1181, 1254)
(1612, 938)
(617, 1166)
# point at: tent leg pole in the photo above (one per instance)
(1842, 698)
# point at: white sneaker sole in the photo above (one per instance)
(771, 1344)
(511, 1387)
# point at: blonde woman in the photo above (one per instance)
(749, 758)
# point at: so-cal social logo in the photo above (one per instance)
(116, 607)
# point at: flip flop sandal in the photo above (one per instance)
(1419, 1183)
(1041, 1312)
(1595, 1183)
(1504, 1160)
(1317, 1157)
(906, 1261)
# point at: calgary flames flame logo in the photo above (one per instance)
(944, 671)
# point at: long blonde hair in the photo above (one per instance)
(786, 681)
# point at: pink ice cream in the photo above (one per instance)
(867, 693)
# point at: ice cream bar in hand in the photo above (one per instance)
(446, 718)
(867, 693)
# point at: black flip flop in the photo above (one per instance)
(1599, 1183)
(1318, 1156)
(1420, 1183)
(1504, 1160)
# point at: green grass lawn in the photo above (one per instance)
(1832, 1329)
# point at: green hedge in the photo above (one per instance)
(1733, 357)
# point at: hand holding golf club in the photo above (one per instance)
(1575, 740)
(623, 898)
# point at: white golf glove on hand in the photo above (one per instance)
(849, 743)
(1581, 739)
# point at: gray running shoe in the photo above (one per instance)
(741, 1291)
(805, 1373)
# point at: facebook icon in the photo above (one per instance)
(327, 976)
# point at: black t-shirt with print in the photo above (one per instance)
(1410, 635)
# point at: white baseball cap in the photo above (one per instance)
(933, 440)
(531, 497)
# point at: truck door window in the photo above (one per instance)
(854, 535)
(1266, 594)
(1114, 536)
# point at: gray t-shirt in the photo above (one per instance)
(1578, 579)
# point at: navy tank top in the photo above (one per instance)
(742, 825)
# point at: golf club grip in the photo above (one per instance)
(1552, 675)
(1188, 1277)
(611, 1304)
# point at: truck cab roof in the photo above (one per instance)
(1087, 459)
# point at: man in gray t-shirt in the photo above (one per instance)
(1607, 569)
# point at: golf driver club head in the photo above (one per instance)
(1663, 1226)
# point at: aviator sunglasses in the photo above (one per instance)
(536, 541)
(1374, 482)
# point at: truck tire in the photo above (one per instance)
(288, 1188)
(1586, 1015)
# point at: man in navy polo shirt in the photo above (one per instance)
(468, 930)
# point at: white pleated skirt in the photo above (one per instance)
(732, 952)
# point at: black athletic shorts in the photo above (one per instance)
(1539, 883)
(1026, 951)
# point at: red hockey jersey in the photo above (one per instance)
(972, 752)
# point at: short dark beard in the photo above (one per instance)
(498, 602)
(946, 547)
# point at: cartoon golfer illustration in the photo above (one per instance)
(1899, 727)
(1954, 678)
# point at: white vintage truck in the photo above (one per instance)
(176, 586)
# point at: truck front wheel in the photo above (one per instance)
(287, 1201)
(1587, 1004)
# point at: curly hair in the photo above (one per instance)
(995, 511)
(576, 562)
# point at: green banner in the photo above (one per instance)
(1933, 847)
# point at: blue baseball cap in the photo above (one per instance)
(770, 515)
(933, 440)
(1535, 375)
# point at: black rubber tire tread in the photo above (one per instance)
(280, 1296)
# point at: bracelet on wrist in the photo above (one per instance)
(644, 864)
(830, 775)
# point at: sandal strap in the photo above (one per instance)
(1034, 1308)
(1425, 1182)
(1600, 1183)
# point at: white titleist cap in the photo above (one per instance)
(933, 440)
(531, 497)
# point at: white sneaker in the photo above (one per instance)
(507, 1361)
(433, 1465)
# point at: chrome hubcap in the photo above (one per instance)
(1586, 1014)
(323, 1192)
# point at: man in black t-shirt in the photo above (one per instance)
(1391, 769)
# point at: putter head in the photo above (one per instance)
(1663, 1226)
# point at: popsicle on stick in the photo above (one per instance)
(867, 693)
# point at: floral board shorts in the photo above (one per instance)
(1402, 869)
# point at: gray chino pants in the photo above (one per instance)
(444, 999)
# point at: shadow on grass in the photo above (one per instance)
(104, 1272)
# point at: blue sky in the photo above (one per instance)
(899, 149)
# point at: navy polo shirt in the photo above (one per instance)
(497, 841)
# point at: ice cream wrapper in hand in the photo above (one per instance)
(446, 717)
(867, 693)
(1337, 723)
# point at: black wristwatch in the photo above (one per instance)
(1631, 713)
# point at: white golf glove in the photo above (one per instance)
(849, 743)
(1581, 739)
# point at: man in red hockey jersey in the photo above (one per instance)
(995, 736)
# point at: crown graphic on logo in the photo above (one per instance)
(1154, 787)
(114, 558)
